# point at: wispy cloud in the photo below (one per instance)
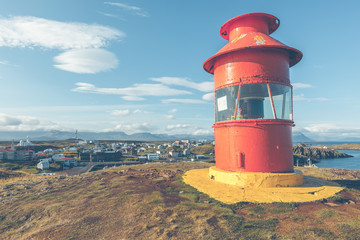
(81, 42)
(27, 31)
(112, 15)
(120, 112)
(170, 116)
(24, 123)
(174, 110)
(133, 98)
(301, 85)
(136, 10)
(185, 82)
(323, 128)
(208, 96)
(136, 92)
(86, 61)
(331, 131)
(178, 126)
(126, 112)
(3, 62)
(202, 132)
(135, 127)
(181, 100)
(302, 97)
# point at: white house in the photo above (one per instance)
(186, 152)
(142, 158)
(174, 154)
(153, 156)
(43, 165)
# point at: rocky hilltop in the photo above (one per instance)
(302, 153)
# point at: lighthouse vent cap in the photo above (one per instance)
(250, 22)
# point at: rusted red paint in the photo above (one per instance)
(253, 57)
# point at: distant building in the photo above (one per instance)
(106, 156)
(174, 154)
(153, 156)
(141, 150)
(186, 152)
(73, 150)
(142, 158)
(43, 165)
(26, 142)
(164, 155)
(23, 155)
(199, 156)
(58, 156)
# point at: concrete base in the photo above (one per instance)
(313, 189)
(256, 179)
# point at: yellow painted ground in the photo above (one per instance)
(256, 179)
(313, 189)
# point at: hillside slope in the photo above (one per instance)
(151, 202)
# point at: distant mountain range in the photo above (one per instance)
(300, 137)
(121, 136)
(63, 135)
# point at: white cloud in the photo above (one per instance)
(208, 96)
(331, 132)
(126, 112)
(174, 110)
(133, 98)
(23, 31)
(6, 120)
(86, 61)
(202, 132)
(301, 97)
(135, 127)
(25, 123)
(131, 93)
(203, 86)
(137, 10)
(301, 85)
(120, 112)
(177, 100)
(170, 117)
(177, 126)
(323, 128)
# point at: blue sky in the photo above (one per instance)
(136, 65)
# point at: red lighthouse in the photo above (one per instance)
(253, 119)
(253, 97)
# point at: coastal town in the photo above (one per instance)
(77, 155)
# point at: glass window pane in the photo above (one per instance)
(282, 100)
(253, 102)
(225, 103)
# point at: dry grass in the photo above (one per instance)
(151, 202)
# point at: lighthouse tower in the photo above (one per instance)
(253, 98)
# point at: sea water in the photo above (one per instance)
(345, 163)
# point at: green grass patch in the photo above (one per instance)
(321, 233)
(257, 209)
(337, 199)
(280, 208)
(155, 198)
(326, 213)
(350, 230)
(298, 218)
